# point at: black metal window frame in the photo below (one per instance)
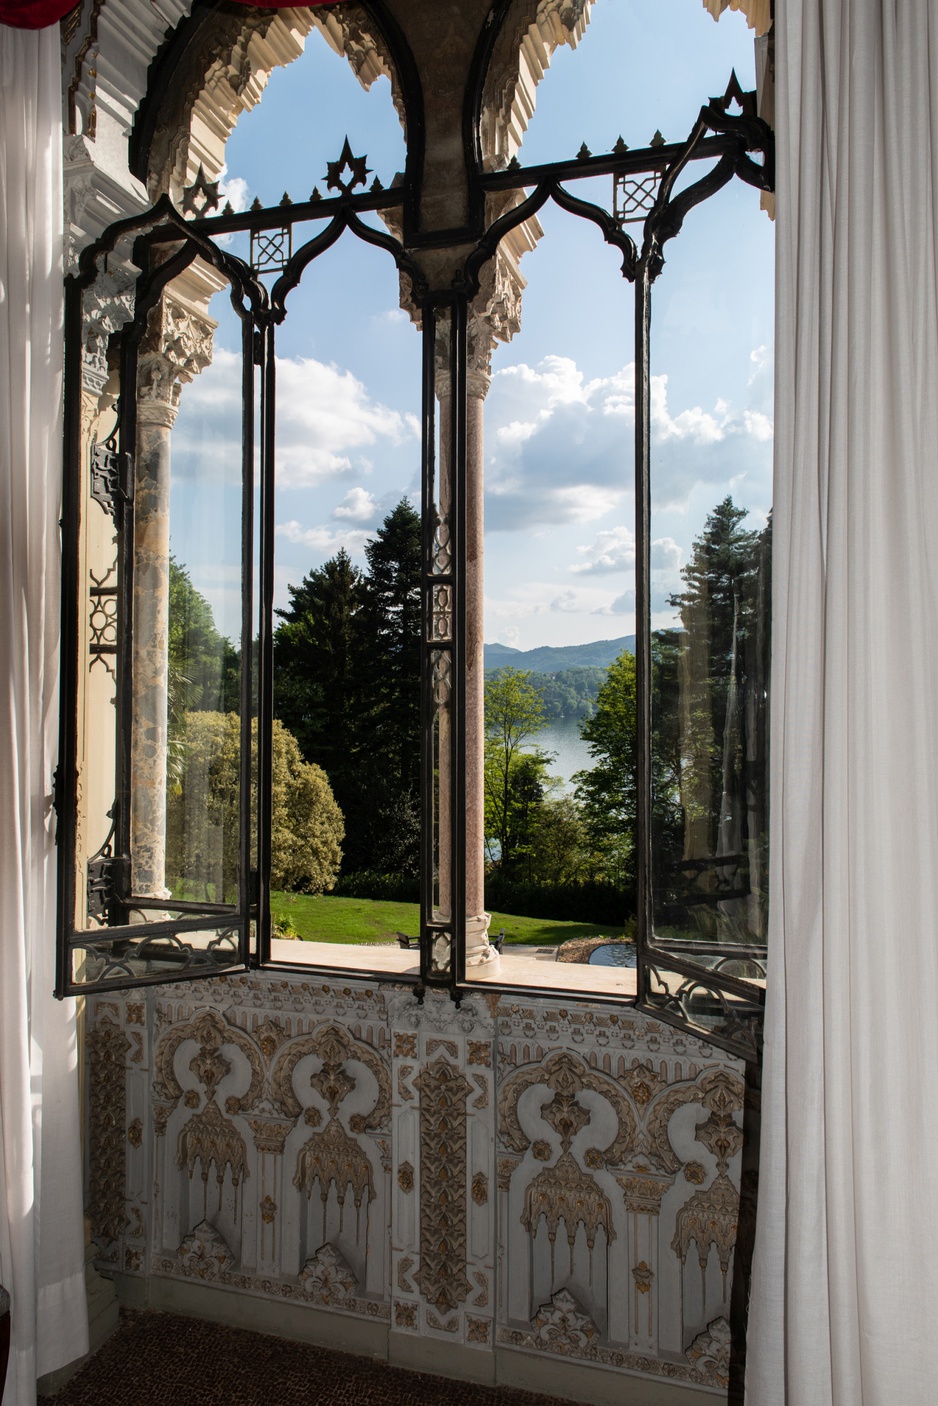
(670, 975)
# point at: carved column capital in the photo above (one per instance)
(177, 345)
(106, 305)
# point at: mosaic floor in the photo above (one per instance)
(160, 1358)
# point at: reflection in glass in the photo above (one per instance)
(710, 740)
(185, 756)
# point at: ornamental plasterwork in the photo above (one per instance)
(566, 1075)
(443, 1094)
(643, 1194)
(709, 1354)
(245, 1031)
(720, 1090)
(334, 1159)
(107, 1088)
(210, 1031)
(565, 1194)
(210, 1139)
(758, 12)
(335, 1048)
(177, 345)
(227, 78)
(522, 56)
(204, 1254)
(107, 305)
(562, 1326)
(328, 1278)
(709, 1219)
(441, 1015)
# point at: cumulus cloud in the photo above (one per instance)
(665, 554)
(621, 605)
(235, 190)
(612, 550)
(321, 539)
(358, 505)
(560, 447)
(326, 420)
(324, 414)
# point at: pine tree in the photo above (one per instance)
(393, 615)
(318, 683)
(723, 685)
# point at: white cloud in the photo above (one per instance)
(621, 605)
(613, 550)
(758, 425)
(235, 190)
(560, 447)
(320, 539)
(665, 554)
(326, 420)
(358, 505)
(324, 414)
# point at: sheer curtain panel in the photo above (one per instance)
(846, 1273)
(41, 1230)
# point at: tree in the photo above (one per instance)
(204, 666)
(204, 822)
(608, 791)
(347, 670)
(723, 685)
(393, 619)
(390, 819)
(515, 777)
(318, 667)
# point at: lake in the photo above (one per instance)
(572, 753)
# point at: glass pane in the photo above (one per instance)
(711, 574)
(345, 837)
(558, 791)
(191, 952)
(186, 735)
(714, 1010)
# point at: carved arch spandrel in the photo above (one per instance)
(715, 1088)
(335, 1047)
(211, 1032)
(223, 74)
(530, 34)
(566, 1075)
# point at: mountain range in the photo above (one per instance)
(552, 659)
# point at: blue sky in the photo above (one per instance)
(558, 418)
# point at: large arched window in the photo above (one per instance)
(186, 757)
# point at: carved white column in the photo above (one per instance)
(176, 347)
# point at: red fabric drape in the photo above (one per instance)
(36, 14)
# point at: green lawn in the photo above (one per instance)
(329, 919)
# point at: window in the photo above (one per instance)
(178, 773)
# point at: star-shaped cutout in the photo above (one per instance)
(357, 167)
(201, 196)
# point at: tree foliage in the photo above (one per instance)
(203, 815)
(722, 739)
(607, 792)
(515, 775)
(347, 683)
(569, 693)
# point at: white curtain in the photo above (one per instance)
(41, 1233)
(845, 1282)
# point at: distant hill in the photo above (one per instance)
(553, 659)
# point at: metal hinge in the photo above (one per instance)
(111, 476)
